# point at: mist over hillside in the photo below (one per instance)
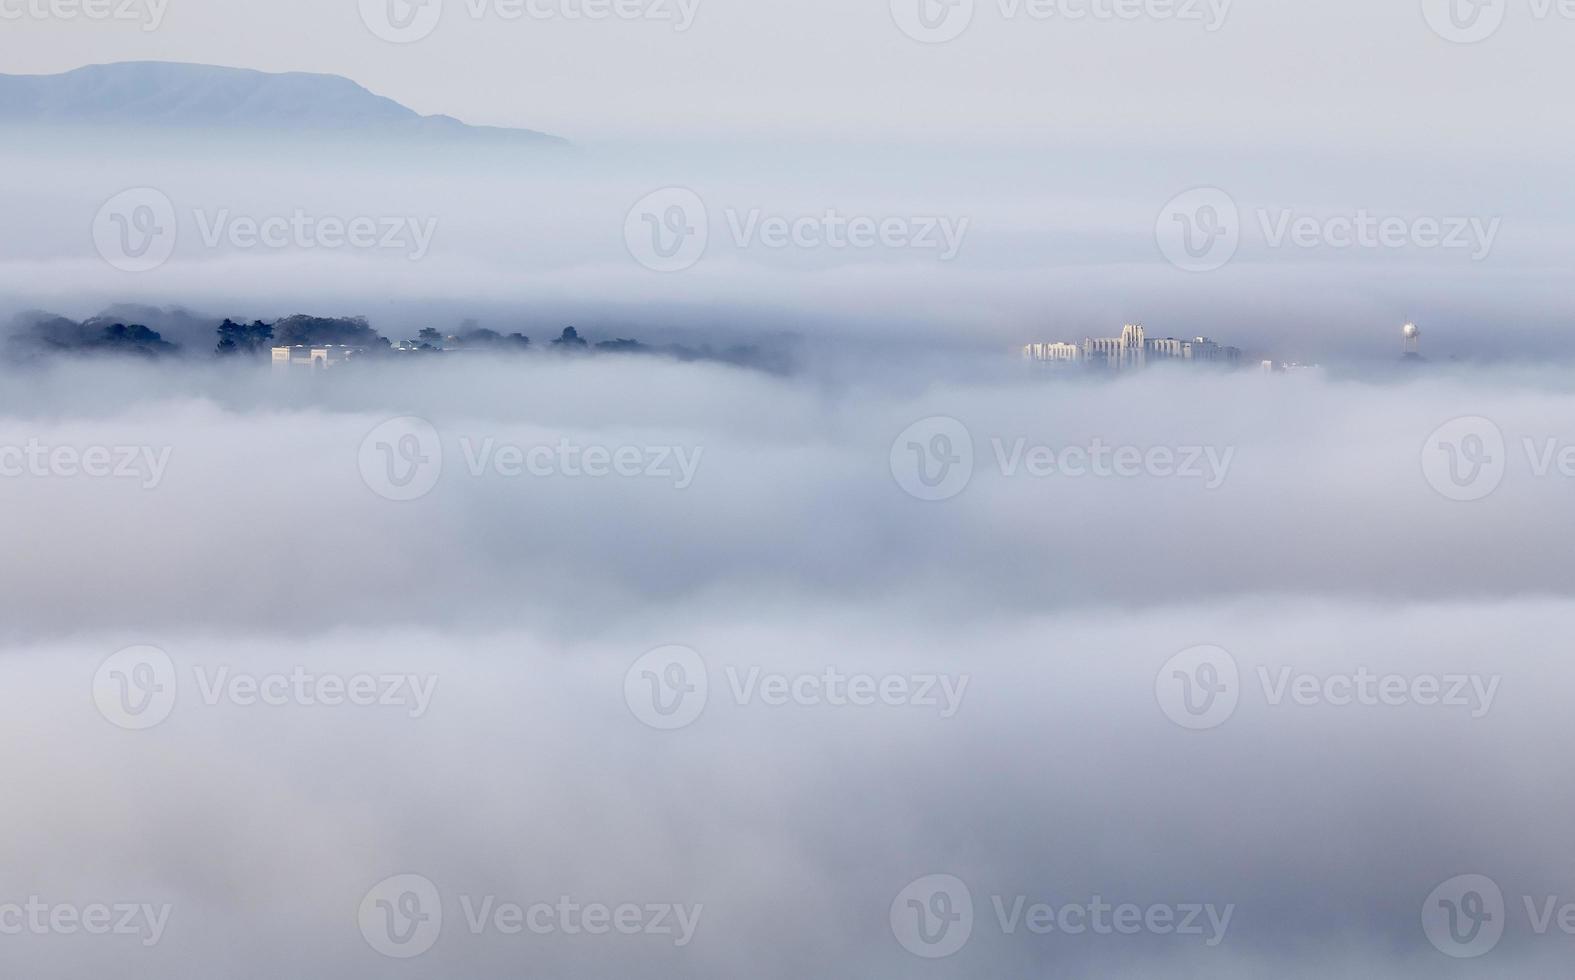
(1046, 247)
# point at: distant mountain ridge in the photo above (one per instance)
(178, 95)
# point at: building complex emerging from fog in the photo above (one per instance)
(1133, 349)
(312, 358)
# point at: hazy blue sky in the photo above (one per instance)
(1336, 75)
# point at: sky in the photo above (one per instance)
(1343, 77)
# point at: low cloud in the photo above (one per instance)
(568, 488)
(360, 686)
(1320, 827)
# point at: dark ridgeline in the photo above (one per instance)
(146, 332)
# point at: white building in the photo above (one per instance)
(1204, 349)
(1052, 352)
(1132, 350)
(1168, 348)
(312, 358)
(1121, 353)
(1196, 349)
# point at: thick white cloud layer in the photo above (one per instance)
(747, 486)
(793, 827)
(1322, 809)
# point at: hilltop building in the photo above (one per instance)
(1132, 350)
(1053, 352)
(302, 357)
